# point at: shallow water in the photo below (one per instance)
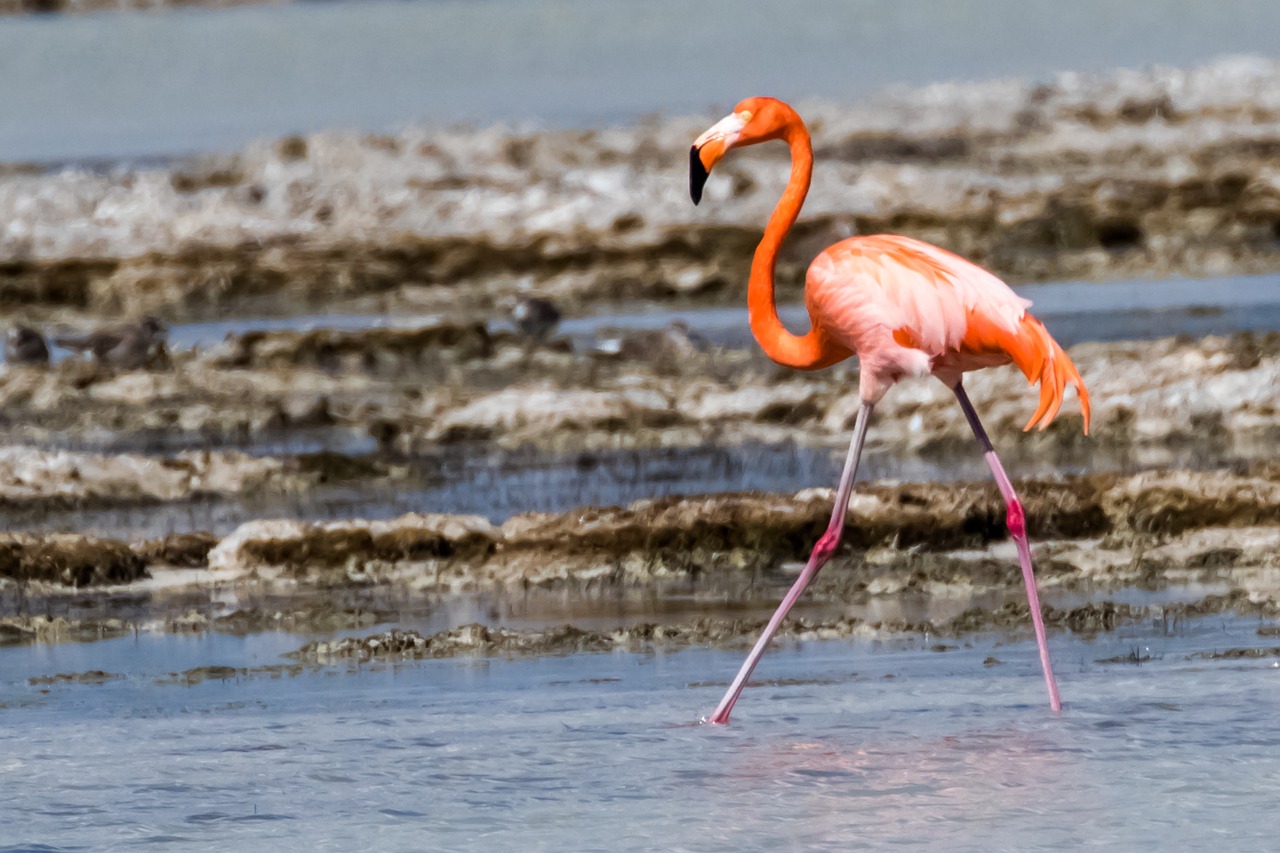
(498, 485)
(861, 745)
(1075, 311)
(478, 480)
(125, 85)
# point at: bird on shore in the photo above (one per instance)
(24, 345)
(905, 308)
(128, 346)
(535, 318)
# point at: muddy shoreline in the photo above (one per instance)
(1202, 543)
(381, 422)
(924, 558)
(1131, 174)
(423, 393)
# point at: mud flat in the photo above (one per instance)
(1111, 550)
(52, 478)
(453, 418)
(455, 388)
(1084, 177)
(447, 418)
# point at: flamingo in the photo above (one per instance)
(905, 308)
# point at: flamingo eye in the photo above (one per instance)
(745, 115)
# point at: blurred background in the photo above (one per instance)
(120, 86)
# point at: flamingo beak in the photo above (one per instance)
(709, 148)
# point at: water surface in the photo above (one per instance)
(128, 85)
(859, 746)
(1075, 311)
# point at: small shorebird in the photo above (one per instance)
(24, 345)
(905, 308)
(535, 318)
(128, 346)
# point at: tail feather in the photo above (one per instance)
(1034, 351)
(1041, 360)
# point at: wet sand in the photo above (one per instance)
(447, 388)
(928, 559)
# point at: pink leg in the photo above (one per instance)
(1017, 521)
(822, 552)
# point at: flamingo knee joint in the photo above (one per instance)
(1016, 519)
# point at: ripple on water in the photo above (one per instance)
(597, 751)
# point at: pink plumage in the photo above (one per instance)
(908, 308)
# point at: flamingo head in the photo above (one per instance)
(752, 121)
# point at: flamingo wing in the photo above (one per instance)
(896, 298)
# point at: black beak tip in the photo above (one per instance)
(697, 175)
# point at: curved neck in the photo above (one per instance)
(810, 351)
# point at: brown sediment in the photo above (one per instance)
(1168, 504)
(200, 674)
(351, 552)
(1085, 177)
(896, 537)
(181, 550)
(404, 644)
(671, 537)
(565, 638)
(373, 350)
(92, 676)
(69, 559)
(1135, 657)
(1087, 526)
(476, 639)
(1154, 402)
(482, 640)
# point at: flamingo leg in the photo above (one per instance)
(822, 552)
(1017, 520)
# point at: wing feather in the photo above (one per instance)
(961, 316)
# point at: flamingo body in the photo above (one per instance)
(905, 308)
